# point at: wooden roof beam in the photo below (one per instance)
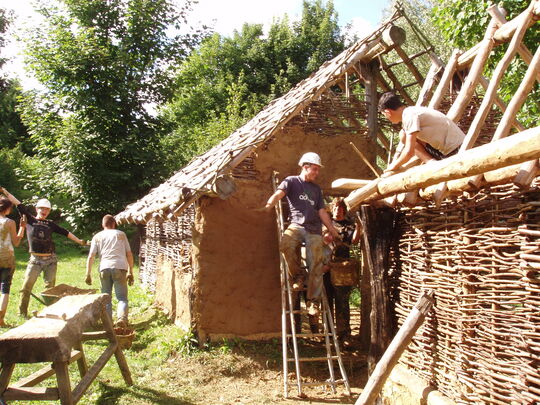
(499, 14)
(518, 148)
(502, 34)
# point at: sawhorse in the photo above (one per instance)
(55, 336)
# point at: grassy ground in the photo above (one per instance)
(167, 366)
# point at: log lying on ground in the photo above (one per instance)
(515, 149)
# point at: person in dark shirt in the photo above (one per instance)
(307, 214)
(337, 293)
(43, 258)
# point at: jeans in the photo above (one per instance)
(6, 275)
(36, 265)
(118, 279)
(291, 241)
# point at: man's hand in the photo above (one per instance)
(130, 279)
(22, 222)
(84, 242)
(88, 279)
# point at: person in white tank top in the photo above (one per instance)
(9, 237)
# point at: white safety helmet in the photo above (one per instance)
(310, 157)
(43, 203)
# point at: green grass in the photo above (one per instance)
(152, 347)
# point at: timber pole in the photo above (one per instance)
(518, 148)
(397, 347)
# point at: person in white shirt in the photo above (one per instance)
(115, 266)
(427, 133)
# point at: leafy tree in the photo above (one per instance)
(102, 62)
(463, 24)
(227, 80)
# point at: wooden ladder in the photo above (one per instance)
(289, 329)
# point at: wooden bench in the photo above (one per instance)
(55, 336)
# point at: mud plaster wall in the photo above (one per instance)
(173, 291)
(235, 255)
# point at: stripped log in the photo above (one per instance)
(349, 184)
(519, 97)
(397, 347)
(501, 35)
(515, 149)
(467, 90)
(487, 101)
(446, 79)
(500, 15)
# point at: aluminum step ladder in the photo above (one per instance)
(290, 337)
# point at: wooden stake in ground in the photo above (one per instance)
(397, 347)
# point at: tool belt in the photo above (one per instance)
(344, 273)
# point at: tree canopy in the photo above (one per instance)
(227, 80)
(102, 64)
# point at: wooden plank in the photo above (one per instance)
(42, 374)
(31, 394)
(5, 375)
(47, 340)
(92, 373)
(120, 358)
(64, 385)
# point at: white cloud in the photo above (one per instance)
(226, 16)
(360, 27)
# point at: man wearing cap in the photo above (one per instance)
(307, 214)
(43, 258)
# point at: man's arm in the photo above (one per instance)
(327, 221)
(129, 257)
(89, 264)
(76, 240)
(273, 200)
(10, 196)
(409, 147)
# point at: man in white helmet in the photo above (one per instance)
(43, 258)
(307, 214)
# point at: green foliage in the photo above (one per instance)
(102, 63)
(463, 24)
(227, 80)
(15, 168)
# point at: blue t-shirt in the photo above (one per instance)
(305, 200)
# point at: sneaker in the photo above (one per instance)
(313, 308)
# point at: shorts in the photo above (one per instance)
(437, 154)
